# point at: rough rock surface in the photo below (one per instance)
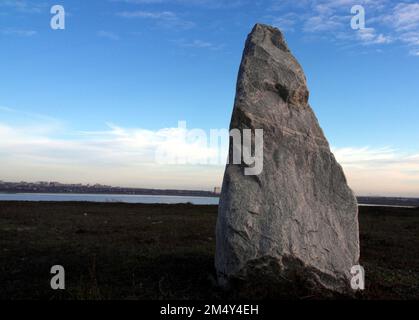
(298, 219)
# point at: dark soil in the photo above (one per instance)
(133, 251)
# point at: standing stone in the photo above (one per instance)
(296, 222)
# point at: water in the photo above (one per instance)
(385, 205)
(128, 198)
(107, 198)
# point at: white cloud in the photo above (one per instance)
(108, 35)
(380, 171)
(117, 155)
(323, 23)
(42, 149)
(24, 6)
(411, 38)
(166, 19)
(198, 44)
(331, 19)
(210, 4)
(369, 36)
(365, 156)
(285, 22)
(414, 52)
(18, 32)
(147, 14)
(34, 118)
(405, 16)
(403, 19)
(328, 6)
(115, 145)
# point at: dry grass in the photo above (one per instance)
(130, 251)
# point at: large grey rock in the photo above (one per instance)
(298, 219)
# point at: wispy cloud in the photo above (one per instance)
(198, 44)
(18, 32)
(404, 20)
(405, 17)
(285, 22)
(380, 171)
(166, 19)
(24, 6)
(31, 116)
(331, 19)
(321, 23)
(38, 150)
(108, 35)
(211, 4)
(369, 36)
(147, 14)
(365, 156)
(414, 52)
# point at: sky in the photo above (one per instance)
(93, 102)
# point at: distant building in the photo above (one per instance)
(217, 190)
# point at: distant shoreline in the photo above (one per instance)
(389, 201)
(108, 198)
(169, 198)
(118, 194)
(15, 188)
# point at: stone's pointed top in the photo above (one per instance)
(261, 32)
(263, 26)
(269, 66)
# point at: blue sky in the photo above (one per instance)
(90, 103)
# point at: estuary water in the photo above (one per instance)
(128, 198)
(107, 198)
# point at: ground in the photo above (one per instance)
(135, 251)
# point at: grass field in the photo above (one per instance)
(132, 251)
